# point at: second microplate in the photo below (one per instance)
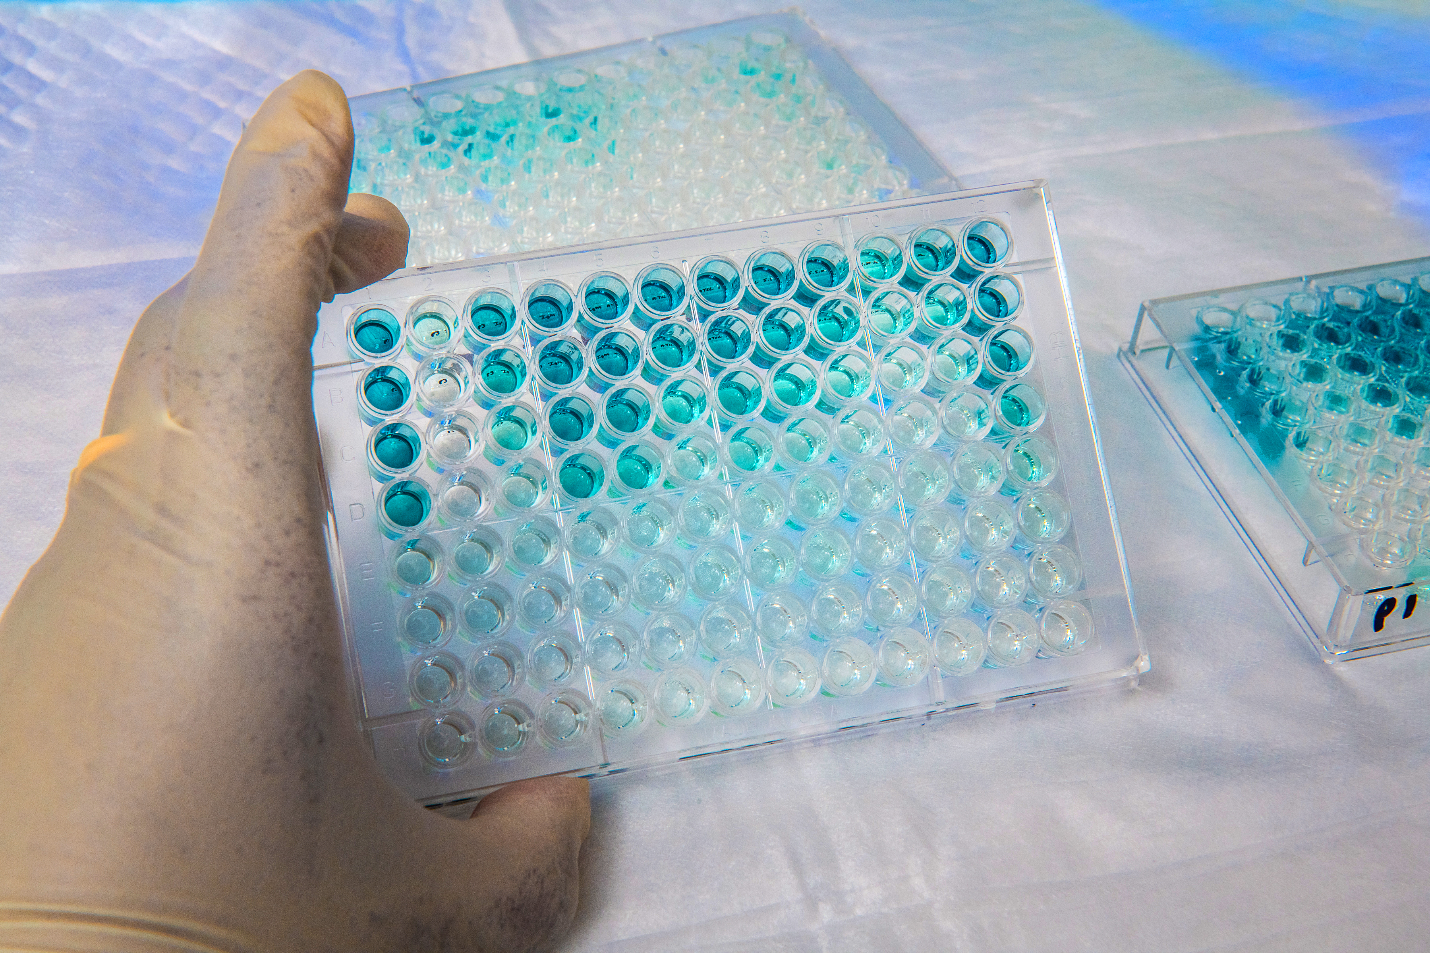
(741, 120)
(1303, 405)
(637, 501)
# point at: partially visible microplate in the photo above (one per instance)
(624, 504)
(1322, 381)
(746, 120)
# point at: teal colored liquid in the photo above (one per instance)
(986, 244)
(503, 371)
(636, 470)
(617, 354)
(981, 250)
(406, 504)
(627, 411)
(794, 385)
(998, 299)
(473, 556)
(672, 346)
(512, 430)
(581, 476)
(603, 305)
(728, 338)
(820, 273)
(683, 403)
(376, 332)
(396, 446)
(571, 419)
(848, 377)
(772, 275)
(750, 450)
(826, 273)
(880, 265)
(659, 296)
(547, 313)
(837, 322)
(714, 289)
(1008, 354)
(1019, 412)
(560, 363)
(431, 330)
(805, 444)
(1027, 465)
(946, 306)
(932, 258)
(782, 331)
(386, 389)
(739, 394)
(493, 320)
(891, 313)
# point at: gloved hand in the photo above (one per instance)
(180, 767)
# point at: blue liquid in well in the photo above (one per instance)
(683, 403)
(714, 288)
(946, 306)
(603, 305)
(560, 363)
(837, 321)
(406, 504)
(581, 476)
(628, 410)
(617, 354)
(658, 295)
(782, 330)
(386, 389)
(981, 250)
(512, 429)
(772, 275)
(636, 470)
(994, 303)
(503, 371)
(739, 393)
(749, 450)
(933, 258)
(794, 385)
(825, 274)
(728, 338)
(546, 312)
(1009, 353)
(493, 320)
(571, 419)
(1018, 412)
(673, 346)
(878, 265)
(396, 446)
(375, 332)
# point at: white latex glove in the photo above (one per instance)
(180, 766)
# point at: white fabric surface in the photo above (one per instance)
(1246, 797)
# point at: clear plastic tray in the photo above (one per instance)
(743, 120)
(638, 501)
(1302, 405)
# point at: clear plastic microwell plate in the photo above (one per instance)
(637, 501)
(743, 120)
(1303, 405)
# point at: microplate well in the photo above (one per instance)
(1302, 404)
(742, 120)
(637, 501)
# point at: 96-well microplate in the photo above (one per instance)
(742, 120)
(632, 502)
